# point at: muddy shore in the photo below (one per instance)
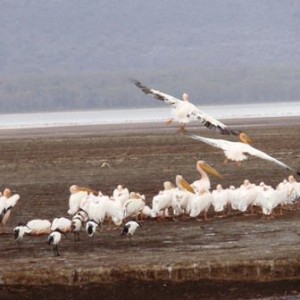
(237, 257)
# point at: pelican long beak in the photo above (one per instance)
(208, 169)
(244, 138)
(181, 182)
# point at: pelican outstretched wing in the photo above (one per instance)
(255, 152)
(238, 147)
(174, 102)
(217, 143)
(212, 123)
(193, 112)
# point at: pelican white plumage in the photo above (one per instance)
(184, 111)
(203, 184)
(220, 199)
(294, 188)
(130, 228)
(134, 206)
(247, 195)
(163, 200)
(267, 198)
(232, 197)
(100, 207)
(54, 239)
(238, 151)
(200, 203)
(77, 195)
(181, 202)
(121, 194)
(7, 202)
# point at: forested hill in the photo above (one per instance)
(72, 54)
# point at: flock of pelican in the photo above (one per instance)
(89, 209)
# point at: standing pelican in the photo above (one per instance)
(237, 151)
(203, 184)
(184, 111)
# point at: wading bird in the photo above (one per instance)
(130, 228)
(53, 239)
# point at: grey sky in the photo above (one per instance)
(145, 38)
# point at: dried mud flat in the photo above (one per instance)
(237, 257)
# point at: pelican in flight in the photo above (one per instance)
(237, 151)
(184, 111)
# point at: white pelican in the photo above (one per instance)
(232, 197)
(201, 203)
(237, 151)
(184, 111)
(130, 228)
(220, 199)
(163, 200)
(77, 196)
(247, 194)
(7, 202)
(121, 195)
(203, 184)
(183, 184)
(134, 206)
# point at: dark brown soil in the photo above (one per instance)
(236, 257)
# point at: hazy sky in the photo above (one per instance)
(84, 36)
(219, 49)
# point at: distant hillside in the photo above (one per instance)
(71, 54)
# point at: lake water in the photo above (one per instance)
(34, 120)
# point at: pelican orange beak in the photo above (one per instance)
(244, 138)
(208, 169)
(181, 182)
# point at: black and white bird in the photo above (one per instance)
(130, 228)
(54, 239)
(33, 227)
(91, 228)
(184, 111)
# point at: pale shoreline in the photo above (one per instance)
(134, 128)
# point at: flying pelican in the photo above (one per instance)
(237, 151)
(184, 111)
